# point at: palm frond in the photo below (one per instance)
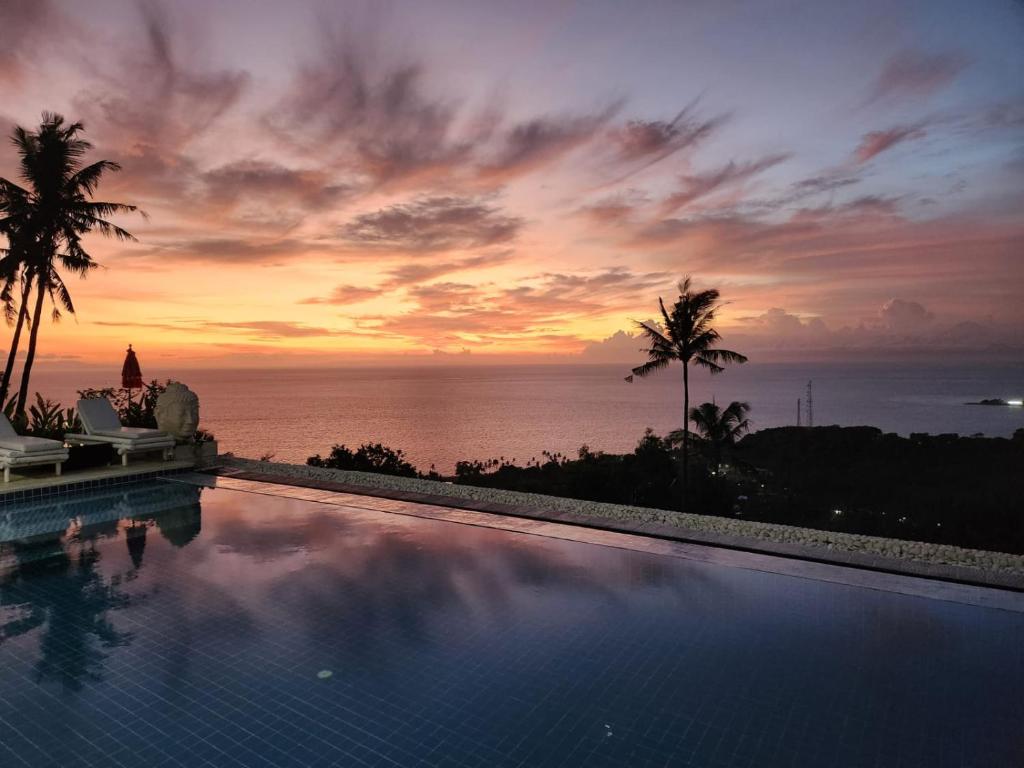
(88, 178)
(724, 356)
(702, 362)
(649, 367)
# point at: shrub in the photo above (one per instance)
(45, 418)
(369, 457)
(137, 411)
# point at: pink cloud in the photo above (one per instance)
(915, 73)
(876, 142)
(697, 186)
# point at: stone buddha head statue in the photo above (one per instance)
(177, 411)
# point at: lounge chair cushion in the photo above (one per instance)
(131, 433)
(131, 443)
(21, 444)
(28, 459)
(98, 415)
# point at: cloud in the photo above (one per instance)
(541, 141)
(763, 240)
(905, 316)
(876, 142)
(153, 101)
(532, 312)
(419, 271)
(260, 330)
(230, 250)
(620, 347)
(433, 224)
(1005, 115)
(412, 273)
(363, 105)
(915, 73)
(615, 209)
(779, 323)
(24, 26)
(901, 327)
(829, 181)
(228, 185)
(640, 144)
(696, 186)
(358, 104)
(270, 330)
(653, 140)
(342, 295)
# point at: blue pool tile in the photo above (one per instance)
(157, 623)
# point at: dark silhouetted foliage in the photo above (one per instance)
(369, 457)
(687, 336)
(966, 491)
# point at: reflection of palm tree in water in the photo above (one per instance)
(54, 584)
(69, 600)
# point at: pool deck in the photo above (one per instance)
(963, 575)
(41, 481)
(988, 596)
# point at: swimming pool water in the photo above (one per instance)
(160, 624)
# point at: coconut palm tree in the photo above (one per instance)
(688, 337)
(720, 428)
(50, 215)
(15, 288)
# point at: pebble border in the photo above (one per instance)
(731, 530)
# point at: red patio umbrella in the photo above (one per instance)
(131, 374)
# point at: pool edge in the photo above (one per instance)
(869, 562)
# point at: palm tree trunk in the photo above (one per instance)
(686, 433)
(33, 337)
(5, 385)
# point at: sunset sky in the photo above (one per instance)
(342, 182)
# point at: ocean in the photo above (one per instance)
(441, 414)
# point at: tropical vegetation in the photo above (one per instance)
(719, 428)
(44, 222)
(849, 479)
(369, 457)
(687, 336)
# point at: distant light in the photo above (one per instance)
(1015, 402)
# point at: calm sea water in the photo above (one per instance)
(439, 415)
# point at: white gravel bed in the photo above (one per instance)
(935, 554)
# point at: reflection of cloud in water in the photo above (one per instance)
(398, 577)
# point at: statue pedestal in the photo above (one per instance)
(200, 454)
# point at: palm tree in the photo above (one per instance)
(720, 428)
(687, 336)
(50, 216)
(12, 274)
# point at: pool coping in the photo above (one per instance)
(967, 576)
(84, 480)
(706, 554)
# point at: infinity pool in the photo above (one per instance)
(164, 624)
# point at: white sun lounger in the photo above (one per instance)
(21, 451)
(102, 426)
